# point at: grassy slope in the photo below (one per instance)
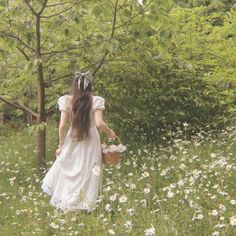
(165, 187)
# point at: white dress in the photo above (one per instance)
(75, 178)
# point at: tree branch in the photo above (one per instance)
(112, 36)
(49, 34)
(62, 51)
(19, 106)
(48, 113)
(58, 4)
(43, 7)
(59, 13)
(31, 8)
(23, 52)
(123, 4)
(18, 39)
(131, 18)
(49, 82)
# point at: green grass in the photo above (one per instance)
(164, 186)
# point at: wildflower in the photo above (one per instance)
(130, 211)
(146, 190)
(163, 173)
(222, 207)
(111, 232)
(182, 166)
(123, 199)
(152, 168)
(232, 220)
(150, 231)
(143, 202)
(121, 148)
(113, 197)
(213, 155)
(233, 202)
(128, 225)
(18, 212)
(132, 186)
(54, 226)
(12, 180)
(219, 225)
(180, 182)
(145, 174)
(96, 170)
(170, 194)
(214, 213)
(198, 216)
(108, 208)
(223, 193)
(216, 233)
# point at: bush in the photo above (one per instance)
(148, 105)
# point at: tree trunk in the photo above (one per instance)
(41, 118)
(41, 147)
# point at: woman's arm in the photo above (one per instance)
(62, 130)
(101, 125)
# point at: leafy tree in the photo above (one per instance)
(45, 41)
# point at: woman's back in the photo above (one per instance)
(65, 104)
(75, 177)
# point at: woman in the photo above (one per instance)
(75, 178)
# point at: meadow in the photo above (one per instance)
(184, 188)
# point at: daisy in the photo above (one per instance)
(150, 231)
(123, 199)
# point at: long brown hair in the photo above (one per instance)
(81, 107)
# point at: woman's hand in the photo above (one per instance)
(111, 134)
(58, 151)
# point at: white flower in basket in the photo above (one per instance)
(111, 153)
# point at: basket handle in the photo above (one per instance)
(106, 139)
(118, 139)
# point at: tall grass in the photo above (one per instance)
(187, 188)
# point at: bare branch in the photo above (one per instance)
(112, 36)
(19, 106)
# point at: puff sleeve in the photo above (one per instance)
(98, 103)
(63, 104)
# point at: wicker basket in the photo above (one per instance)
(111, 158)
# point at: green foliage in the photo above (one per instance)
(33, 129)
(165, 64)
(165, 187)
(160, 81)
(149, 106)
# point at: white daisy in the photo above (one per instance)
(123, 199)
(150, 231)
(232, 220)
(96, 170)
